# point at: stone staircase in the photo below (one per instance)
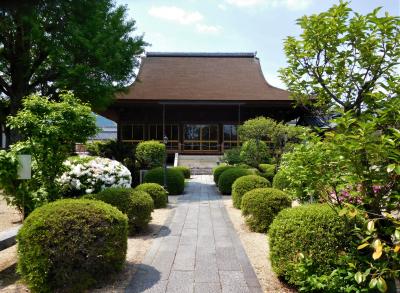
(199, 164)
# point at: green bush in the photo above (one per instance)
(157, 193)
(71, 245)
(232, 156)
(260, 206)
(185, 171)
(150, 154)
(245, 184)
(175, 179)
(136, 204)
(217, 171)
(229, 176)
(267, 171)
(253, 153)
(280, 181)
(314, 230)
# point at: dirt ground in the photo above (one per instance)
(9, 216)
(137, 248)
(257, 249)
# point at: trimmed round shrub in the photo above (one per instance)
(71, 245)
(157, 193)
(253, 153)
(175, 179)
(260, 206)
(267, 171)
(185, 171)
(86, 175)
(232, 156)
(229, 176)
(316, 231)
(150, 154)
(136, 204)
(217, 171)
(245, 184)
(280, 181)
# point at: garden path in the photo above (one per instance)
(198, 250)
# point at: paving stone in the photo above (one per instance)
(227, 260)
(185, 258)
(232, 278)
(181, 281)
(207, 288)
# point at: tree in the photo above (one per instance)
(342, 57)
(50, 130)
(80, 45)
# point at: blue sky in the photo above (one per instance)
(232, 25)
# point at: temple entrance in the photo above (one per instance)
(200, 138)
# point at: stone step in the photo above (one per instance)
(201, 171)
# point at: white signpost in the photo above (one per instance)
(24, 168)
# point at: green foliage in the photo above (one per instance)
(254, 152)
(157, 193)
(226, 179)
(280, 181)
(280, 137)
(71, 245)
(217, 171)
(50, 130)
(114, 150)
(175, 179)
(245, 184)
(58, 50)
(314, 231)
(232, 156)
(353, 56)
(136, 204)
(185, 171)
(261, 205)
(150, 154)
(267, 170)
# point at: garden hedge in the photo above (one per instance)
(185, 171)
(217, 171)
(260, 206)
(150, 154)
(316, 231)
(229, 176)
(253, 153)
(136, 204)
(71, 245)
(245, 184)
(175, 179)
(267, 171)
(157, 193)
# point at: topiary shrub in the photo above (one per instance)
(137, 205)
(253, 153)
(267, 171)
(280, 181)
(217, 171)
(185, 171)
(175, 179)
(314, 230)
(70, 245)
(244, 184)
(229, 176)
(150, 154)
(232, 156)
(86, 175)
(261, 205)
(157, 193)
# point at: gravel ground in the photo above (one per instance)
(137, 248)
(257, 249)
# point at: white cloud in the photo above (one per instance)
(222, 6)
(175, 14)
(289, 4)
(208, 29)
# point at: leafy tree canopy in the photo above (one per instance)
(80, 45)
(342, 57)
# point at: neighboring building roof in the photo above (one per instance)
(200, 77)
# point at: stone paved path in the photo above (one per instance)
(197, 250)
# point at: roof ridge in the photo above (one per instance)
(202, 54)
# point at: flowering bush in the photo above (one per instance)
(88, 175)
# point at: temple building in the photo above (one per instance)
(198, 100)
